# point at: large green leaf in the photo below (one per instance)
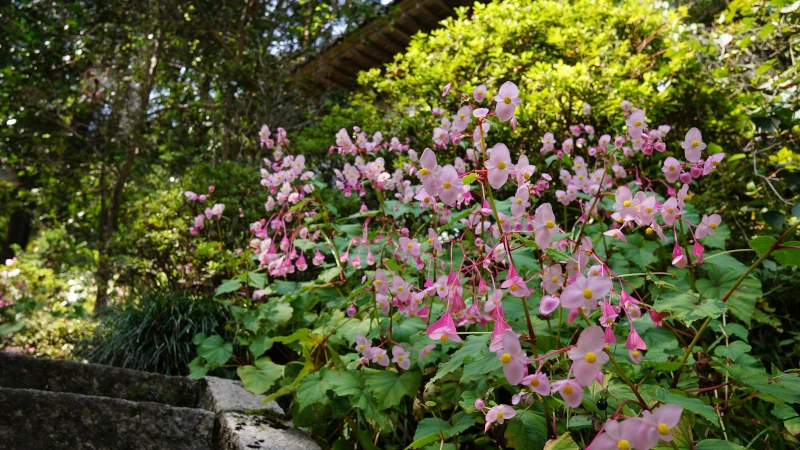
(688, 309)
(527, 430)
(260, 344)
(229, 286)
(389, 387)
(717, 444)
(312, 389)
(742, 302)
(344, 383)
(694, 405)
(215, 350)
(260, 377)
(782, 388)
(474, 347)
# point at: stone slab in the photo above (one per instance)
(34, 420)
(221, 395)
(26, 372)
(268, 431)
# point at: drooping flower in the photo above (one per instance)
(585, 292)
(443, 329)
(498, 166)
(588, 355)
(513, 358)
(693, 145)
(515, 284)
(499, 414)
(507, 101)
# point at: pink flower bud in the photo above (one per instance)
(685, 177)
(211, 189)
(351, 310)
(479, 404)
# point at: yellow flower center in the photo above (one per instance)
(519, 201)
(500, 413)
(430, 241)
(361, 347)
(587, 293)
(400, 288)
(412, 315)
(443, 338)
(534, 382)
(377, 282)
(663, 429)
(513, 288)
(648, 210)
(649, 230)
(400, 357)
(501, 165)
(380, 356)
(427, 352)
(507, 100)
(671, 168)
(410, 245)
(577, 166)
(424, 171)
(626, 203)
(670, 210)
(461, 115)
(568, 390)
(427, 199)
(623, 445)
(636, 353)
(695, 143)
(506, 358)
(713, 226)
(591, 358)
(619, 219)
(687, 198)
(446, 185)
(554, 280)
(550, 224)
(638, 123)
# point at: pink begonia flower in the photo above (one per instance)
(712, 162)
(480, 113)
(548, 304)
(515, 284)
(500, 326)
(669, 210)
(301, 263)
(499, 165)
(379, 356)
(257, 295)
(570, 391)
(450, 185)
(610, 314)
(588, 355)
(538, 383)
(587, 109)
(499, 414)
(479, 404)
(585, 292)
(693, 145)
(400, 288)
(446, 89)
(524, 169)
(552, 279)
(679, 260)
(513, 123)
(567, 146)
(401, 357)
(707, 226)
(479, 94)
(382, 303)
(433, 239)
(609, 336)
(440, 136)
(671, 169)
(381, 283)
(429, 173)
(263, 135)
(658, 425)
(507, 101)
(544, 224)
(619, 436)
(635, 356)
(634, 341)
(519, 203)
(637, 119)
(425, 352)
(443, 329)
(351, 310)
(616, 234)
(513, 358)
(409, 246)
(625, 105)
(462, 118)
(362, 344)
(547, 142)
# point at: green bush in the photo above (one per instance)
(49, 337)
(154, 333)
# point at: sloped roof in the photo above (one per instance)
(376, 42)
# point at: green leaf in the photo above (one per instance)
(563, 442)
(687, 308)
(717, 444)
(198, 368)
(733, 351)
(692, 404)
(329, 274)
(389, 388)
(279, 313)
(312, 389)
(788, 256)
(469, 178)
(260, 378)
(215, 350)
(260, 344)
(228, 286)
(742, 301)
(474, 347)
(782, 388)
(367, 403)
(461, 422)
(796, 210)
(344, 383)
(527, 430)
(762, 243)
(430, 426)
(12, 327)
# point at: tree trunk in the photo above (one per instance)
(20, 226)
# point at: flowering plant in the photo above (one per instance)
(500, 299)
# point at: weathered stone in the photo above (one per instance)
(267, 431)
(31, 419)
(221, 395)
(25, 372)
